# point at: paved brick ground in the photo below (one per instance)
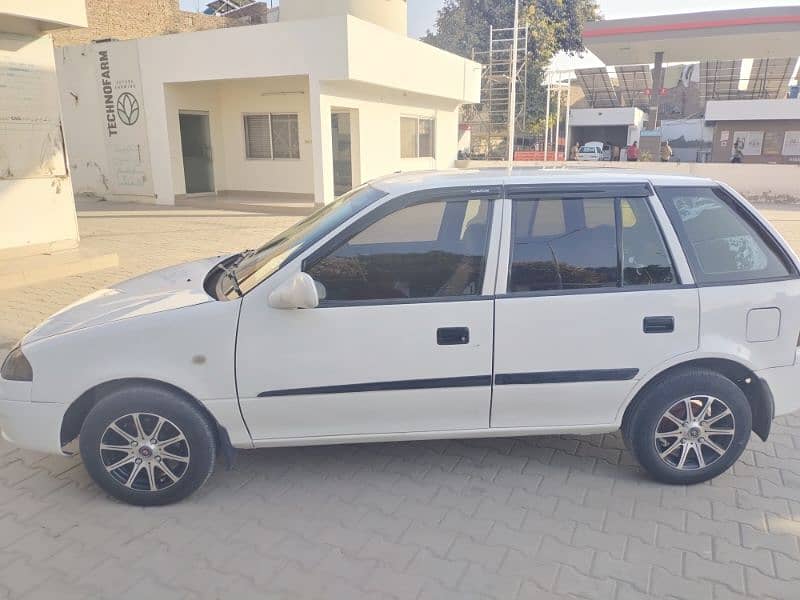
(549, 517)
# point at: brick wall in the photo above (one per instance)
(131, 19)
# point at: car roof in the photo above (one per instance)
(402, 182)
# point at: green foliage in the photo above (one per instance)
(554, 25)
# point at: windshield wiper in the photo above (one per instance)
(230, 275)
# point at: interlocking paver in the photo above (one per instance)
(548, 517)
(607, 566)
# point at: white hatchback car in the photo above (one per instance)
(433, 305)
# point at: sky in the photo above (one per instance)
(422, 13)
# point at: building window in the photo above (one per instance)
(417, 137)
(272, 136)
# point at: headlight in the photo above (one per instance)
(16, 367)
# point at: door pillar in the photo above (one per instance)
(321, 144)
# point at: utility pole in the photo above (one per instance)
(558, 117)
(547, 118)
(512, 101)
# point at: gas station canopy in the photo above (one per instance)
(772, 32)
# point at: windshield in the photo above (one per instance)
(588, 149)
(256, 265)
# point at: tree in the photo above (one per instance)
(554, 25)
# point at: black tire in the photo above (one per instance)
(197, 452)
(646, 420)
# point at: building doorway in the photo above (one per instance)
(198, 167)
(341, 134)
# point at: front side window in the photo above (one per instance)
(722, 243)
(582, 244)
(434, 249)
(272, 136)
(416, 137)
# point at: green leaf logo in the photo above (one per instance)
(128, 108)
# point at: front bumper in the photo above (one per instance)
(29, 425)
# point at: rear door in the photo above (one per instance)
(749, 286)
(589, 301)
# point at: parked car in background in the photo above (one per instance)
(594, 151)
(590, 153)
(433, 305)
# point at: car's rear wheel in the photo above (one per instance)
(689, 427)
(147, 445)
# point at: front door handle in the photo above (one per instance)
(659, 324)
(452, 336)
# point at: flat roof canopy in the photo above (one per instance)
(717, 35)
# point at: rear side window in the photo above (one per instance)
(582, 244)
(722, 242)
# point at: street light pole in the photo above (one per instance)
(512, 101)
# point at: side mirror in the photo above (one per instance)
(299, 292)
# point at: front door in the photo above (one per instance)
(592, 304)
(342, 152)
(401, 343)
(198, 170)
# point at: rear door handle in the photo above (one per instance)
(452, 336)
(659, 324)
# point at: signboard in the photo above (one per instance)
(772, 143)
(791, 143)
(120, 92)
(724, 137)
(749, 142)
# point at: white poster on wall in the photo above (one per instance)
(791, 143)
(749, 142)
(120, 88)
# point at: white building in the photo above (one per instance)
(332, 95)
(37, 209)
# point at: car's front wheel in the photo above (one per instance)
(147, 445)
(689, 427)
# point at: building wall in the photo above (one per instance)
(274, 95)
(188, 72)
(227, 102)
(753, 110)
(132, 19)
(37, 208)
(386, 60)
(195, 97)
(84, 128)
(376, 130)
(390, 14)
(773, 135)
(592, 117)
(44, 15)
(123, 168)
(379, 111)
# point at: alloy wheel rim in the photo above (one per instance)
(694, 433)
(145, 452)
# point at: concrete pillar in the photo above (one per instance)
(160, 151)
(654, 119)
(321, 144)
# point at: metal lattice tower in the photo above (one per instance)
(489, 121)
